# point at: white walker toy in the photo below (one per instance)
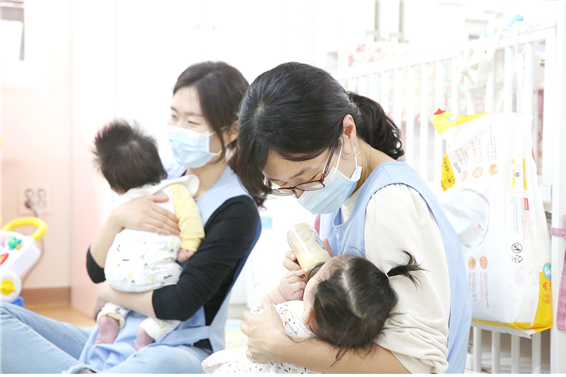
(18, 254)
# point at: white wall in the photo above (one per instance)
(93, 47)
(36, 136)
(157, 41)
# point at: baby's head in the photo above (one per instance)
(127, 157)
(349, 299)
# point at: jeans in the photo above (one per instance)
(31, 343)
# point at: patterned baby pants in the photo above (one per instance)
(141, 261)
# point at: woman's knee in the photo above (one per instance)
(172, 360)
(11, 311)
(7, 310)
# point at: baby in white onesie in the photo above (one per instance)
(345, 303)
(140, 261)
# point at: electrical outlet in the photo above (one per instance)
(36, 195)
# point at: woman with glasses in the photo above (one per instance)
(337, 153)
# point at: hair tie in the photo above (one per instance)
(386, 275)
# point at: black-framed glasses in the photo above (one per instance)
(306, 186)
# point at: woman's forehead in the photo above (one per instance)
(186, 100)
(279, 169)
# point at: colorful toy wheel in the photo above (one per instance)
(10, 286)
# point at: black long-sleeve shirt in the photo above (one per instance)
(206, 277)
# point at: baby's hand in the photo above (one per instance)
(184, 255)
(292, 285)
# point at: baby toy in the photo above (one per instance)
(18, 253)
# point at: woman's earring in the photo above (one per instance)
(356, 151)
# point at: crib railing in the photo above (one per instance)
(410, 88)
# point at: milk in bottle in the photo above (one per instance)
(307, 246)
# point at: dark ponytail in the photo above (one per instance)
(376, 128)
(406, 269)
(352, 304)
(296, 111)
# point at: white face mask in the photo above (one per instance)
(337, 188)
(190, 148)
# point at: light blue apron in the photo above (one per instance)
(105, 356)
(349, 236)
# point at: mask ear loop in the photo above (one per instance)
(355, 155)
(340, 154)
(214, 153)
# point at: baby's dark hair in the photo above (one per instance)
(126, 156)
(352, 304)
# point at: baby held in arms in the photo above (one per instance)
(345, 303)
(140, 261)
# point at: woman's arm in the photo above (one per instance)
(230, 232)
(139, 302)
(103, 241)
(206, 277)
(417, 333)
(267, 341)
(140, 214)
(416, 337)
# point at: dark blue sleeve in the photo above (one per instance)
(95, 272)
(206, 277)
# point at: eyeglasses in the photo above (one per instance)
(306, 186)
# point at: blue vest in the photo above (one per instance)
(349, 236)
(104, 356)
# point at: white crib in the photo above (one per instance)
(412, 87)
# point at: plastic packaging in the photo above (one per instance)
(492, 198)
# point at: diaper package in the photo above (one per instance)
(492, 198)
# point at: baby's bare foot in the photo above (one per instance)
(143, 339)
(108, 329)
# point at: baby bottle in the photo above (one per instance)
(307, 246)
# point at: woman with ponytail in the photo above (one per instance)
(337, 153)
